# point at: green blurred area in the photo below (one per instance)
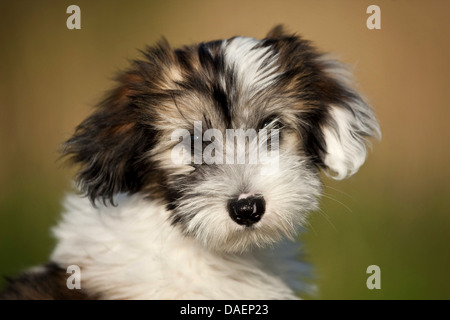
(394, 213)
(408, 240)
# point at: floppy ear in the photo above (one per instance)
(349, 122)
(111, 144)
(335, 121)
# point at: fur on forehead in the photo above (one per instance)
(230, 83)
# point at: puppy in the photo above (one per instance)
(170, 205)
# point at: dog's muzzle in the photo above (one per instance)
(247, 210)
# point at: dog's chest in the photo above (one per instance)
(181, 275)
(132, 252)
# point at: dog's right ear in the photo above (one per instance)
(110, 145)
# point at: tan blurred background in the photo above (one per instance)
(394, 213)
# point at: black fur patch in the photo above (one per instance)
(47, 285)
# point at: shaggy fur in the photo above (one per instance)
(152, 228)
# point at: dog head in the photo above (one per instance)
(206, 98)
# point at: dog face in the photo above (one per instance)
(279, 84)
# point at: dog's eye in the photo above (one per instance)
(195, 137)
(272, 123)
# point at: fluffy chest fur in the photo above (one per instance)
(132, 252)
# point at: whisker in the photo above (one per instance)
(327, 218)
(337, 201)
(340, 191)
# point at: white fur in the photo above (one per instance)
(345, 152)
(290, 193)
(346, 135)
(247, 61)
(132, 252)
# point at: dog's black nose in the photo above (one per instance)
(247, 211)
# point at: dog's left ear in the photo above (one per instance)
(348, 124)
(335, 122)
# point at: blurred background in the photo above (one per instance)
(394, 213)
